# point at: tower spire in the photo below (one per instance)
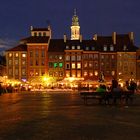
(75, 28)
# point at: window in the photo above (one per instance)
(90, 56)
(102, 57)
(16, 55)
(111, 48)
(43, 53)
(50, 73)
(87, 48)
(92, 48)
(23, 72)
(90, 64)
(23, 62)
(67, 48)
(105, 48)
(113, 73)
(67, 74)
(44, 34)
(55, 65)
(112, 56)
(61, 73)
(78, 65)
(85, 73)
(67, 66)
(42, 62)
(35, 34)
(73, 47)
(50, 64)
(124, 47)
(85, 64)
(73, 57)
(85, 56)
(10, 62)
(39, 34)
(36, 63)
(60, 65)
(78, 57)
(16, 62)
(31, 54)
(16, 71)
(36, 53)
(23, 55)
(67, 58)
(31, 62)
(10, 54)
(73, 66)
(78, 47)
(96, 73)
(90, 73)
(95, 56)
(10, 71)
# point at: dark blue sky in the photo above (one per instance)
(95, 16)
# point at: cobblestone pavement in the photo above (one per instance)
(63, 116)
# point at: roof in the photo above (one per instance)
(56, 45)
(20, 47)
(35, 39)
(40, 29)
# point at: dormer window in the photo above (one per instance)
(87, 48)
(111, 48)
(35, 34)
(44, 34)
(78, 47)
(73, 47)
(92, 48)
(39, 34)
(67, 47)
(124, 47)
(105, 47)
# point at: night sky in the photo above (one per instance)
(95, 16)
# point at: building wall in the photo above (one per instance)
(16, 64)
(126, 65)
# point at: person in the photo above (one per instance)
(114, 84)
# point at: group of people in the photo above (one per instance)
(116, 89)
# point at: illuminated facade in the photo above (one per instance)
(104, 57)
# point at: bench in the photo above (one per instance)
(123, 97)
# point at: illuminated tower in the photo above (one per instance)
(75, 28)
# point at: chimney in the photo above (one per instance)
(65, 38)
(95, 37)
(31, 28)
(114, 38)
(81, 38)
(131, 36)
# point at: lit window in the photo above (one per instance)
(10, 54)
(85, 73)
(16, 54)
(10, 62)
(78, 74)
(67, 74)
(23, 62)
(73, 47)
(50, 73)
(55, 65)
(113, 72)
(24, 55)
(90, 64)
(78, 47)
(102, 57)
(73, 66)
(112, 56)
(85, 64)
(90, 74)
(60, 65)
(96, 73)
(78, 65)
(124, 47)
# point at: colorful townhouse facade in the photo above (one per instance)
(99, 58)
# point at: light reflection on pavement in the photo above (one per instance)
(63, 116)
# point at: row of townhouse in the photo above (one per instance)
(113, 56)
